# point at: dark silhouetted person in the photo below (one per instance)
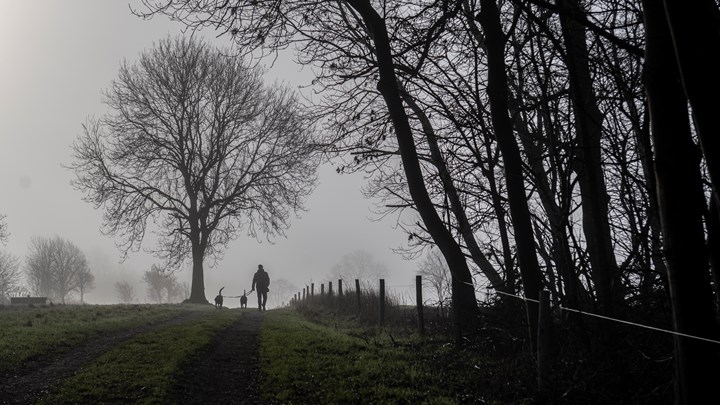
(261, 280)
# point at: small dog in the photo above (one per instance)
(243, 300)
(219, 300)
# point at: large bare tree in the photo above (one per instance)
(199, 146)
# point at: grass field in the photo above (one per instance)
(301, 361)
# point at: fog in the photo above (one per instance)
(57, 57)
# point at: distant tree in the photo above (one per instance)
(198, 145)
(359, 265)
(3, 229)
(9, 276)
(86, 282)
(434, 270)
(282, 291)
(55, 267)
(125, 292)
(183, 292)
(162, 287)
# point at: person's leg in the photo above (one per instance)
(264, 299)
(259, 295)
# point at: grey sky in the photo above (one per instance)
(56, 56)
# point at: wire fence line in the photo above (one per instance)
(635, 324)
(614, 319)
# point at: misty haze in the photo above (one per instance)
(361, 201)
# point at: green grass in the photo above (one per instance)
(27, 332)
(142, 370)
(326, 360)
(304, 362)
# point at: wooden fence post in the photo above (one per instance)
(330, 288)
(312, 289)
(382, 301)
(543, 345)
(322, 289)
(340, 287)
(357, 292)
(418, 293)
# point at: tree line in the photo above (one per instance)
(565, 146)
(56, 268)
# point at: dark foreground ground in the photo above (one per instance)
(226, 372)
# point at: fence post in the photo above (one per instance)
(543, 345)
(340, 287)
(312, 289)
(322, 289)
(382, 301)
(330, 288)
(357, 292)
(418, 293)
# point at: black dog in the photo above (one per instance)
(243, 300)
(219, 300)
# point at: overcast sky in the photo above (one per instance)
(56, 57)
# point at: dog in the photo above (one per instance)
(219, 300)
(243, 300)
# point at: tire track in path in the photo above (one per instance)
(41, 375)
(227, 370)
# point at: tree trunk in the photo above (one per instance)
(681, 202)
(456, 206)
(489, 19)
(695, 32)
(588, 166)
(465, 306)
(644, 146)
(197, 288)
(556, 221)
(511, 275)
(713, 241)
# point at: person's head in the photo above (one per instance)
(260, 267)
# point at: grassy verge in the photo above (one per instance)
(28, 332)
(141, 370)
(305, 362)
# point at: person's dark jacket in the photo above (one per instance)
(261, 281)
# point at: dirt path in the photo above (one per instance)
(226, 372)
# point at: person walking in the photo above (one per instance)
(262, 280)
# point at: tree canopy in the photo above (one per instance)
(198, 146)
